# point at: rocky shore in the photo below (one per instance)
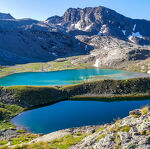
(131, 132)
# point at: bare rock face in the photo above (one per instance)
(103, 21)
(109, 52)
(105, 37)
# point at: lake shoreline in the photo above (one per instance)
(110, 90)
(108, 135)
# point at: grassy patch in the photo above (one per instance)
(8, 111)
(100, 129)
(4, 142)
(62, 64)
(145, 110)
(102, 135)
(125, 128)
(117, 128)
(23, 138)
(135, 116)
(21, 131)
(62, 143)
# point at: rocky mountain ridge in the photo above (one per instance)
(6, 16)
(104, 37)
(103, 21)
(27, 40)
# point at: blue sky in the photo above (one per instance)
(42, 9)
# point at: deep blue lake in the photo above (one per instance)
(68, 114)
(65, 77)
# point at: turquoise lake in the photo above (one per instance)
(68, 114)
(65, 77)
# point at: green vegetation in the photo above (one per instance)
(20, 139)
(66, 63)
(135, 115)
(117, 128)
(125, 128)
(60, 64)
(6, 113)
(21, 131)
(144, 110)
(102, 135)
(100, 129)
(106, 90)
(3, 142)
(23, 138)
(61, 143)
(145, 132)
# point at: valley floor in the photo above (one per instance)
(70, 63)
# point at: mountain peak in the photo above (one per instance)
(4, 16)
(103, 21)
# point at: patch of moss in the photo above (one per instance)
(135, 116)
(21, 131)
(23, 138)
(125, 128)
(8, 111)
(4, 147)
(102, 135)
(100, 129)
(4, 142)
(145, 110)
(122, 128)
(117, 122)
(61, 143)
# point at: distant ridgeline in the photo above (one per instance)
(106, 90)
(103, 37)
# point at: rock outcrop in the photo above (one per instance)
(103, 21)
(131, 132)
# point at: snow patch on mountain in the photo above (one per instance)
(103, 30)
(88, 27)
(96, 63)
(131, 39)
(124, 32)
(134, 27)
(137, 34)
(78, 25)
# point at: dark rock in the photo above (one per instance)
(135, 112)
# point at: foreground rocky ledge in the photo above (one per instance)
(132, 132)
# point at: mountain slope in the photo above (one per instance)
(103, 21)
(6, 16)
(33, 41)
(106, 39)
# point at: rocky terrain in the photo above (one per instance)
(103, 38)
(103, 21)
(27, 40)
(131, 132)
